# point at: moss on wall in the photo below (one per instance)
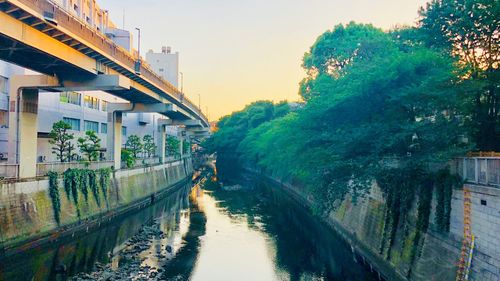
(27, 210)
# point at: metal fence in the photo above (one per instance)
(9, 171)
(43, 168)
(480, 170)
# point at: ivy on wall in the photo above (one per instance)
(400, 188)
(92, 181)
(54, 195)
(104, 179)
(444, 189)
(84, 180)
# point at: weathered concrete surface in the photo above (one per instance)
(362, 224)
(26, 210)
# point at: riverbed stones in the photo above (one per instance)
(132, 257)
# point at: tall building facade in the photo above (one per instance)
(166, 64)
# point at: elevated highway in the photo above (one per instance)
(42, 36)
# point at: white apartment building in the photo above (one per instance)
(166, 64)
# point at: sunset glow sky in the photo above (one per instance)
(233, 52)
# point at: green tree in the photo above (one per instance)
(397, 102)
(134, 145)
(71, 152)
(172, 145)
(89, 145)
(128, 158)
(234, 128)
(61, 140)
(470, 29)
(149, 145)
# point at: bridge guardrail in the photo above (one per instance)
(9, 171)
(480, 170)
(105, 45)
(43, 168)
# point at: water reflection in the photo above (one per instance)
(259, 233)
(253, 233)
(71, 256)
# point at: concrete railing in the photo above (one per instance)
(480, 170)
(9, 171)
(43, 168)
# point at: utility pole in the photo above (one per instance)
(138, 62)
(138, 43)
(182, 86)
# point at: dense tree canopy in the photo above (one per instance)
(470, 30)
(379, 102)
(373, 98)
(234, 128)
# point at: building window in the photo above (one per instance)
(91, 126)
(161, 69)
(104, 105)
(4, 119)
(104, 128)
(74, 123)
(3, 85)
(91, 102)
(70, 97)
(124, 131)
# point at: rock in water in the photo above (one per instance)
(169, 249)
(61, 268)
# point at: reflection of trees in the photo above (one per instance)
(304, 246)
(81, 254)
(181, 267)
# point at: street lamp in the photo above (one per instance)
(199, 102)
(182, 86)
(138, 62)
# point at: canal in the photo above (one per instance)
(249, 231)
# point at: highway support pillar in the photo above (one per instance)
(162, 143)
(181, 143)
(23, 121)
(114, 140)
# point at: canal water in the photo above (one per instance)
(250, 231)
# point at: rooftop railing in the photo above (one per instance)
(480, 170)
(9, 171)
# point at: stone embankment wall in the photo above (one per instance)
(361, 223)
(26, 208)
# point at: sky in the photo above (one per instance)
(234, 52)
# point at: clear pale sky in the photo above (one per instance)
(233, 52)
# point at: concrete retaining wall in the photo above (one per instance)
(362, 224)
(26, 211)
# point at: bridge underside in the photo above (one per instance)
(60, 46)
(23, 55)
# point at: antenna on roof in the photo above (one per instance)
(123, 19)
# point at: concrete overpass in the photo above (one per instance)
(42, 36)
